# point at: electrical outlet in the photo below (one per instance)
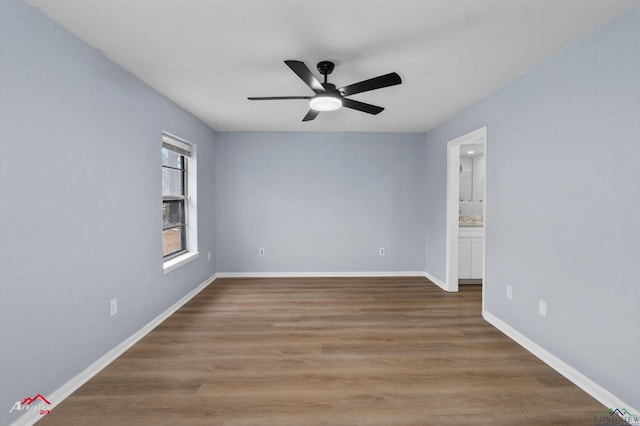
(509, 292)
(381, 251)
(261, 252)
(208, 255)
(542, 308)
(113, 307)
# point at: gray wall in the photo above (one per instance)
(562, 194)
(320, 202)
(80, 220)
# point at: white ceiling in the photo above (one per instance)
(477, 148)
(209, 55)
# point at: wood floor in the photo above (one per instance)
(347, 351)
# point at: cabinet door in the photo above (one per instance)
(464, 257)
(477, 255)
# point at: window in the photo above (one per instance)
(178, 202)
(174, 195)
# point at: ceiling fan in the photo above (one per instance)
(327, 97)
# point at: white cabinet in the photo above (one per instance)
(470, 252)
(464, 258)
(477, 254)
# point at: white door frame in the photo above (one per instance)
(453, 206)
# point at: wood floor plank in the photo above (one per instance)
(327, 351)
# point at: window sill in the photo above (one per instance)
(177, 262)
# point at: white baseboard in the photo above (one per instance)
(57, 396)
(319, 274)
(605, 397)
(436, 281)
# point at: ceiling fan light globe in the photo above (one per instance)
(325, 103)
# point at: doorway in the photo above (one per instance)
(477, 137)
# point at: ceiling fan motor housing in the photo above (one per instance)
(325, 67)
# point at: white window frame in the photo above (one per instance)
(191, 211)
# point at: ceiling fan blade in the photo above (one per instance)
(386, 80)
(312, 114)
(305, 75)
(275, 98)
(361, 106)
